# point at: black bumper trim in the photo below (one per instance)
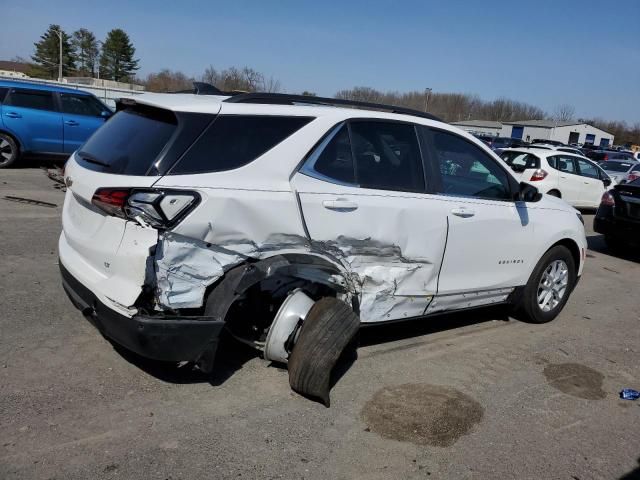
(172, 339)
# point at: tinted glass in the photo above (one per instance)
(336, 161)
(587, 169)
(81, 105)
(616, 166)
(39, 100)
(3, 93)
(520, 161)
(387, 156)
(236, 140)
(636, 168)
(130, 141)
(468, 171)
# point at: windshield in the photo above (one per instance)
(130, 141)
(520, 161)
(616, 166)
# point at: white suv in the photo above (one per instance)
(290, 223)
(577, 180)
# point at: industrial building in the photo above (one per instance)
(529, 130)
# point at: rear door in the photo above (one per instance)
(363, 196)
(570, 183)
(32, 115)
(490, 238)
(592, 186)
(81, 115)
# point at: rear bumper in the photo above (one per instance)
(171, 339)
(612, 226)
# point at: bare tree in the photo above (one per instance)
(564, 113)
(167, 81)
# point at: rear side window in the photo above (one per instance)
(387, 156)
(129, 142)
(233, 141)
(335, 159)
(36, 99)
(520, 161)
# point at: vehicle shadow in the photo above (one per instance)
(597, 244)
(634, 474)
(232, 355)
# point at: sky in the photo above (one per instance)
(584, 53)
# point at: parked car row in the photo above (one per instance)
(44, 119)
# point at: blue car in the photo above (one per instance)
(45, 119)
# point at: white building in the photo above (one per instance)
(565, 132)
(480, 127)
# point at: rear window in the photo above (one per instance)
(129, 142)
(233, 141)
(616, 166)
(520, 161)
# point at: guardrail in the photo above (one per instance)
(107, 94)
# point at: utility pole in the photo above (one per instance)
(427, 94)
(59, 33)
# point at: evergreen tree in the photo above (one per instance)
(116, 61)
(86, 51)
(47, 54)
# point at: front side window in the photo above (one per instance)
(233, 141)
(587, 169)
(387, 156)
(36, 99)
(3, 93)
(468, 171)
(81, 105)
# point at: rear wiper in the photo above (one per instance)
(91, 159)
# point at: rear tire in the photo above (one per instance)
(329, 329)
(549, 286)
(9, 151)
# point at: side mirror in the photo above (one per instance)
(105, 114)
(528, 193)
(606, 181)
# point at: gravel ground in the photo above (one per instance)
(458, 396)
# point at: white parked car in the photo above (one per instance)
(575, 179)
(621, 171)
(559, 148)
(290, 224)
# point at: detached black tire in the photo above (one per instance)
(9, 151)
(329, 328)
(546, 293)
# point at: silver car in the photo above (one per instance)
(619, 170)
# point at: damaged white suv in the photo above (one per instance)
(289, 222)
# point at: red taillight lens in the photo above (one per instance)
(154, 208)
(605, 158)
(111, 200)
(538, 175)
(633, 176)
(607, 199)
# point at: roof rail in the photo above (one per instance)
(287, 99)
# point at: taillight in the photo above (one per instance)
(607, 199)
(538, 175)
(605, 158)
(633, 176)
(156, 208)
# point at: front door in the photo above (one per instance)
(32, 116)
(570, 182)
(82, 115)
(362, 194)
(490, 239)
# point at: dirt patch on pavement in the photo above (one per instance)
(576, 380)
(422, 414)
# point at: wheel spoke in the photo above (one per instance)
(553, 285)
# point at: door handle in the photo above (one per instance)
(12, 115)
(71, 123)
(463, 212)
(340, 205)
